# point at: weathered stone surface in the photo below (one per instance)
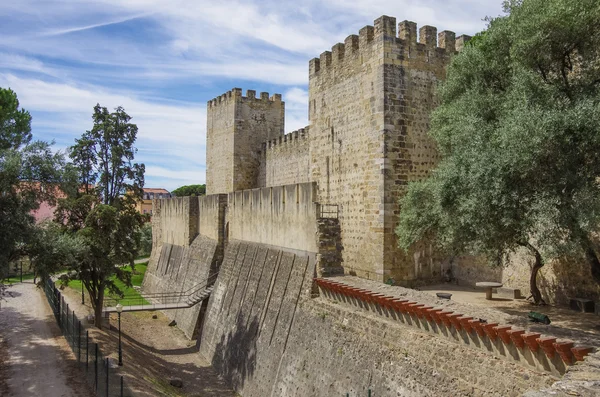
(283, 216)
(176, 266)
(237, 127)
(270, 338)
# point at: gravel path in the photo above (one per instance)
(35, 359)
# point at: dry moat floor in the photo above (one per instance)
(154, 353)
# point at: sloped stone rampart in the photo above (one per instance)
(176, 266)
(268, 337)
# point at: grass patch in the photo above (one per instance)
(132, 296)
(17, 279)
(164, 387)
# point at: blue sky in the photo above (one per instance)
(162, 60)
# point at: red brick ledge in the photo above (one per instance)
(506, 333)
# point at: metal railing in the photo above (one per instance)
(151, 299)
(95, 366)
(329, 211)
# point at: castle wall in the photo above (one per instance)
(346, 142)
(176, 220)
(369, 105)
(267, 337)
(412, 71)
(283, 216)
(285, 160)
(179, 260)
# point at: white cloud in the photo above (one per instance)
(169, 134)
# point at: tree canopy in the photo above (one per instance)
(103, 184)
(190, 190)
(29, 173)
(518, 129)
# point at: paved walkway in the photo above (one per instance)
(35, 359)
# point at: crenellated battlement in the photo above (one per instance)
(236, 94)
(427, 46)
(288, 139)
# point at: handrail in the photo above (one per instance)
(186, 292)
(166, 297)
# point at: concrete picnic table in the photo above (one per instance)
(488, 285)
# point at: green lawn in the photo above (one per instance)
(132, 297)
(17, 279)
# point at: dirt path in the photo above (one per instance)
(35, 359)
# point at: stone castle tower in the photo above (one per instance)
(369, 104)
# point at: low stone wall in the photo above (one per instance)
(268, 337)
(558, 280)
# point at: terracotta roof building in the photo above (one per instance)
(145, 206)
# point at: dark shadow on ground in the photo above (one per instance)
(151, 368)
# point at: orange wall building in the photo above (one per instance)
(145, 206)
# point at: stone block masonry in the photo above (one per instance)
(369, 104)
(282, 216)
(267, 337)
(370, 100)
(285, 160)
(237, 126)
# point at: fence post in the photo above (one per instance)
(73, 329)
(87, 349)
(107, 368)
(369, 392)
(79, 341)
(96, 369)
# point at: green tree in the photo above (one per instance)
(190, 190)
(102, 184)
(519, 131)
(29, 173)
(51, 250)
(146, 239)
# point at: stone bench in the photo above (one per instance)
(509, 293)
(582, 305)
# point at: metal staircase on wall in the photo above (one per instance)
(162, 300)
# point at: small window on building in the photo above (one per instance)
(145, 211)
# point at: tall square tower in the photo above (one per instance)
(237, 126)
(370, 99)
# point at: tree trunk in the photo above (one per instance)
(539, 263)
(592, 259)
(98, 303)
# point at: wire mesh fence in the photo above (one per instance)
(98, 369)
